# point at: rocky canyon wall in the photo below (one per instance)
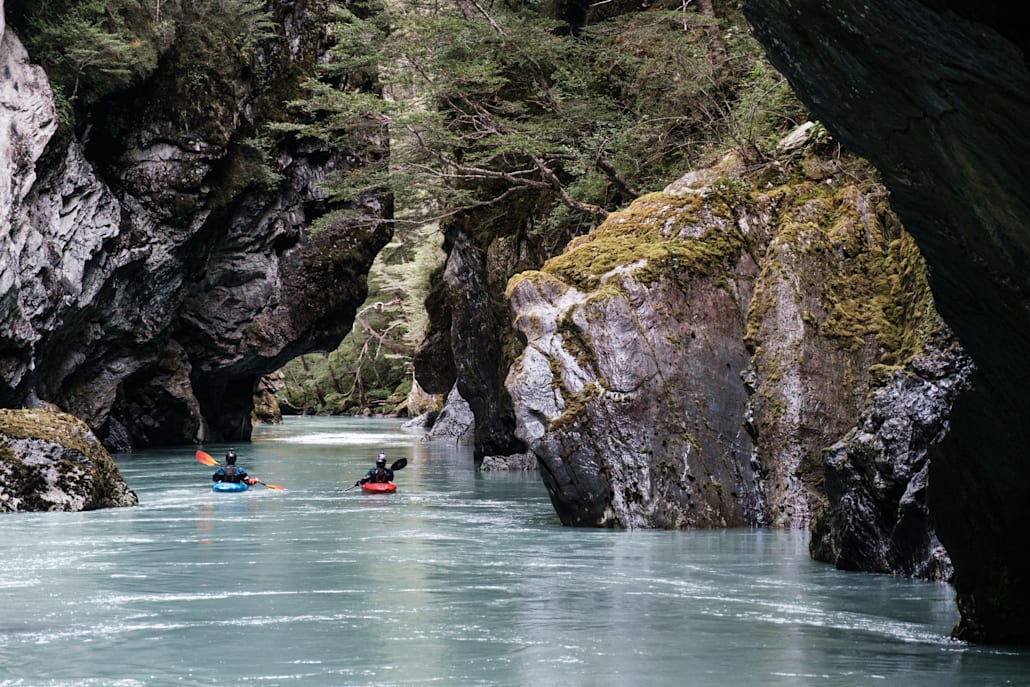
(934, 94)
(150, 276)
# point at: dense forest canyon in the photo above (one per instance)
(661, 273)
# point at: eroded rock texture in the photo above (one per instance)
(934, 94)
(629, 390)
(466, 346)
(51, 461)
(877, 518)
(155, 267)
(687, 363)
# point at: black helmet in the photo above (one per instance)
(230, 456)
(381, 459)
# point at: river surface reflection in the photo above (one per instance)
(459, 578)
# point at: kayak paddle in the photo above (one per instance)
(397, 465)
(206, 459)
(270, 486)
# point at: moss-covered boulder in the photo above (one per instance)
(688, 363)
(50, 461)
(629, 389)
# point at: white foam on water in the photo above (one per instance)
(339, 439)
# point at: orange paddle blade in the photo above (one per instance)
(206, 458)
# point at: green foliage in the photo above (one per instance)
(884, 294)
(765, 108)
(481, 106)
(92, 48)
(507, 116)
(248, 164)
(403, 269)
(216, 37)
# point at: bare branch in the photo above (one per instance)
(566, 199)
(612, 174)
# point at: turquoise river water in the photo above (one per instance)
(459, 578)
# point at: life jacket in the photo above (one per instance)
(229, 473)
(381, 475)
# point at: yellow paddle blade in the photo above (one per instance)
(206, 458)
(273, 486)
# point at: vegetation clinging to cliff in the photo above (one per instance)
(92, 48)
(648, 233)
(371, 369)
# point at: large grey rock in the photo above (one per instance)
(519, 462)
(627, 388)
(688, 361)
(455, 421)
(51, 461)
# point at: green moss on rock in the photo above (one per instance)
(883, 294)
(648, 240)
(50, 460)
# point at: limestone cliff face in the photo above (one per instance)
(687, 363)
(933, 93)
(149, 278)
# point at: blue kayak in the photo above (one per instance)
(230, 486)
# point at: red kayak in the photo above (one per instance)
(379, 487)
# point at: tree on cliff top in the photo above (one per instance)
(92, 48)
(486, 106)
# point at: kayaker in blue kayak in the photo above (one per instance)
(230, 472)
(379, 474)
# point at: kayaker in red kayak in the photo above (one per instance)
(380, 474)
(231, 472)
